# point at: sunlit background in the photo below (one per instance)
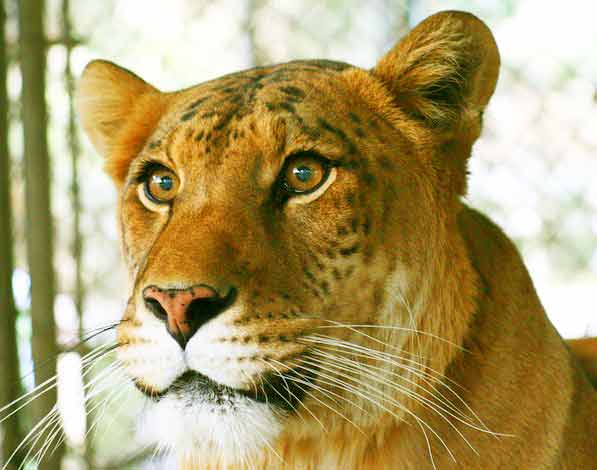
(534, 170)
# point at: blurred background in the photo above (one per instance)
(534, 171)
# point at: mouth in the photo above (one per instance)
(284, 393)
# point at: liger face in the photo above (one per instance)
(287, 231)
(255, 217)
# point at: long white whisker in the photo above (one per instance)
(38, 388)
(119, 390)
(426, 368)
(421, 399)
(443, 400)
(359, 368)
(52, 434)
(265, 441)
(299, 401)
(277, 372)
(51, 422)
(327, 406)
(327, 393)
(347, 387)
(386, 327)
(381, 356)
(390, 359)
(355, 390)
(41, 424)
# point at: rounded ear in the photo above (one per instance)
(118, 111)
(444, 71)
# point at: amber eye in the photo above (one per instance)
(161, 185)
(304, 173)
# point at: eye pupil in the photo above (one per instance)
(166, 183)
(162, 185)
(302, 173)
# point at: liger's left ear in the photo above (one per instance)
(442, 75)
(444, 71)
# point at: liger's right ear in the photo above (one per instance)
(444, 71)
(118, 111)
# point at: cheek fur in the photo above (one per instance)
(140, 226)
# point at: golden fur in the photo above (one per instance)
(408, 318)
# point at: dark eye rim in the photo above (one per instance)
(327, 168)
(145, 177)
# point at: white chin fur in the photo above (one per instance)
(228, 433)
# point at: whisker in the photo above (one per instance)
(411, 316)
(321, 350)
(39, 390)
(299, 401)
(334, 341)
(326, 393)
(104, 403)
(413, 371)
(53, 433)
(292, 407)
(54, 417)
(325, 404)
(451, 411)
(422, 424)
(265, 441)
(93, 334)
(354, 327)
(401, 357)
(252, 382)
(415, 396)
(380, 355)
(348, 387)
(50, 425)
(41, 424)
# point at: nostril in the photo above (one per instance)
(200, 311)
(156, 308)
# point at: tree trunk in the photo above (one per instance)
(73, 146)
(77, 238)
(39, 230)
(9, 360)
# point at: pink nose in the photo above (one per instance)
(185, 310)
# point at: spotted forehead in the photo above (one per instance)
(208, 109)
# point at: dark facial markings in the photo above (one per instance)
(326, 126)
(295, 93)
(237, 94)
(349, 251)
(195, 104)
(354, 118)
(188, 115)
(234, 97)
(285, 106)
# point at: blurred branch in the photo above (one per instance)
(10, 388)
(256, 52)
(39, 226)
(13, 48)
(68, 41)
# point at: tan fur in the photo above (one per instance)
(585, 349)
(452, 321)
